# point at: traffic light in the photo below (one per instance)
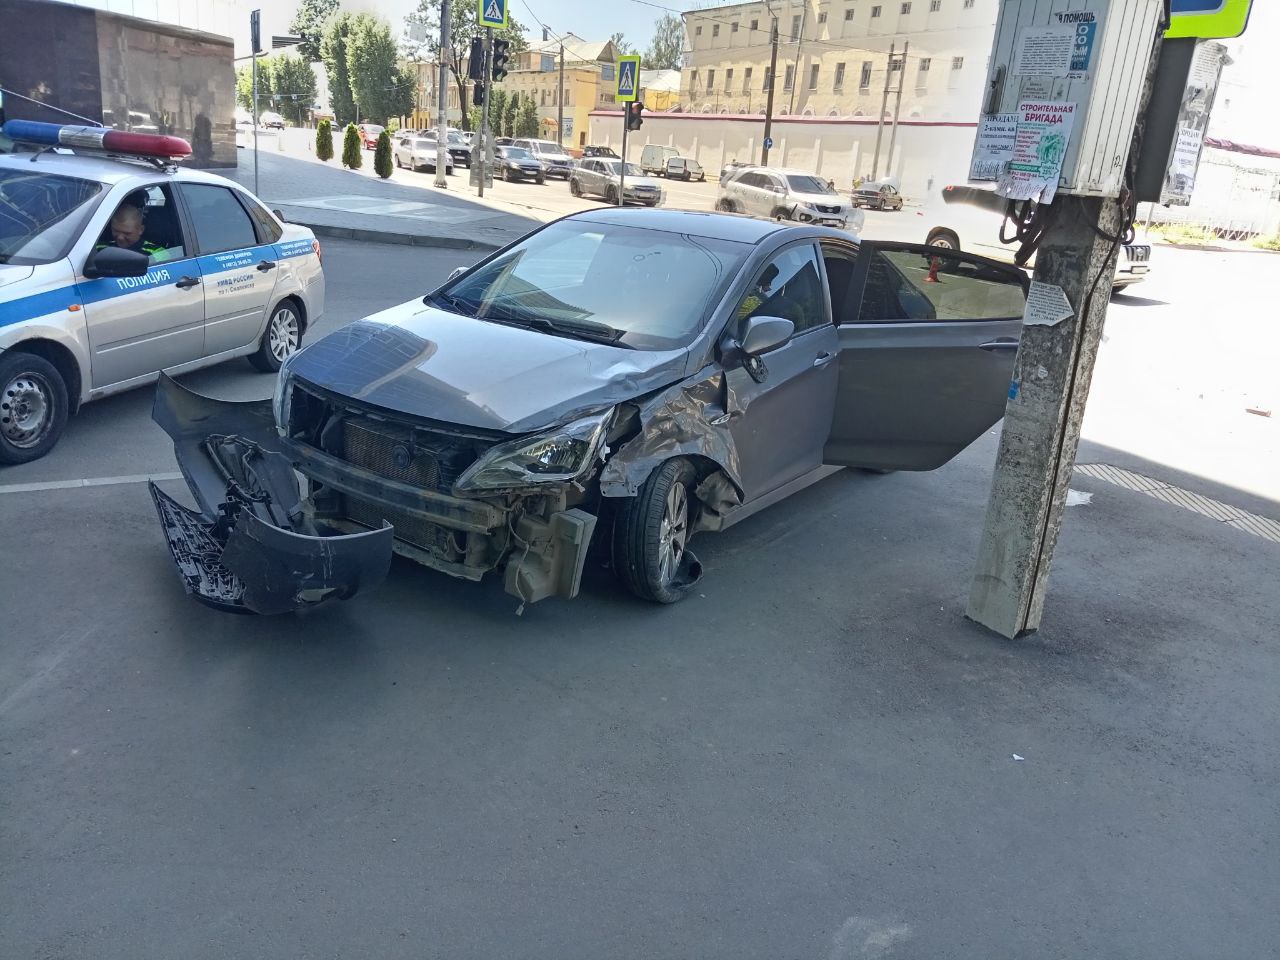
(475, 62)
(477, 94)
(501, 54)
(634, 118)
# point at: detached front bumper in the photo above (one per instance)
(251, 546)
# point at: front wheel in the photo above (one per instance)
(540, 178)
(945, 239)
(612, 196)
(651, 535)
(282, 337)
(574, 188)
(33, 407)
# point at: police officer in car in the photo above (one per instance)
(127, 228)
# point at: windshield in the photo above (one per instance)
(546, 146)
(807, 184)
(41, 214)
(646, 289)
(516, 153)
(632, 169)
(456, 138)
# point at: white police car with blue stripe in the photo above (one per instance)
(117, 265)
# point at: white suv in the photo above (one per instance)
(786, 195)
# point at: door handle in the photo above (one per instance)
(266, 265)
(822, 359)
(999, 345)
(186, 282)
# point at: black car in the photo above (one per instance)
(517, 163)
(606, 152)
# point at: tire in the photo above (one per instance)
(650, 534)
(779, 214)
(399, 165)
(612, 195)
(540, 178)
(574, 188)
(33, 407)
(724, 206)
(946, 239)
(282, 338)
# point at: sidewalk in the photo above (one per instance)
(357, 205)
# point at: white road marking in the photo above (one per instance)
(85, 482)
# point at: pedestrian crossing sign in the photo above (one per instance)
(1208, 19)
(628, 79)
(493, 13)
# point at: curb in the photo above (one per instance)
(406, 239)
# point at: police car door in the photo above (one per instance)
(239, 270)
(138, 325)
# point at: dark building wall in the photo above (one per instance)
(130, 74)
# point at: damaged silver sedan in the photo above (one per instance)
(617, 380)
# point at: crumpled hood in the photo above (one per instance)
(820, 199)
(425, 362)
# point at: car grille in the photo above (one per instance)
(421, 533)
(398, 453)
(1138, 253)
(828, 209)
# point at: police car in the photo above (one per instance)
(115, 265)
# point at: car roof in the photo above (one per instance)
(713, 226)
(103, 168)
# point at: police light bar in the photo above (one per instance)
(97, 138)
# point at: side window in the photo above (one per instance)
(147, 221)
(269, 231)
(904, 285)
(790, 286)
(220, 222)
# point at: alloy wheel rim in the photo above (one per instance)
(673, 532)
(942, 243)
(284, 333)
(26, 409)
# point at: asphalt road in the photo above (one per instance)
(811, 757)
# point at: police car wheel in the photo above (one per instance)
(33, 407)
(281, 338)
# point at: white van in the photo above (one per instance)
(654, 157)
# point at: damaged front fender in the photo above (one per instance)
(251, 547)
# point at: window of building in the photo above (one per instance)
(935, 6)
(697, 31)
(813, 76)
(875, 12)
(795, 28)
(924, 64)
(822, 17)
(788, 78)
(906, 8)
(768, 79)
(755, 24)
(728, 80)
(839, 82)
(865, 80)
(957, 63)
(895, 64)
(733, 27)
(848, 14)
(968, 4)
(715, 30)
(746, 80)
(711, 80)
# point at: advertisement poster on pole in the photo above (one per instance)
(1039, 149)
(993, 147)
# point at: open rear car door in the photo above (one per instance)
(927, 341)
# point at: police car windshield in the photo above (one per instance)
(41, 214)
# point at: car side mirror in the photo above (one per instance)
(455, 273)
(762, 334)
(117, 262)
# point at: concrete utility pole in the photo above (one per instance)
(897, 109)
(1051, 380)
(795, 79)
(486, 141)
(884, 105)
(773, 80)
(560, 101)
(442, 101)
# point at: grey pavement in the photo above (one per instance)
(811, 757)
(337, 202)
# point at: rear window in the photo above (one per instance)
(42, 214)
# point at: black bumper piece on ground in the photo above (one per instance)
(250, 547)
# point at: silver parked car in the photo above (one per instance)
(625, 377)
(555, 162)
(598, 177)
(418, 152)
(786, 195)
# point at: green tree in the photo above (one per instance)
(351, 148)
(474, 117)
(293, 86)
(324, 141)
(333, 49)
(666, 50)
(382, 156)
(497, 109)
(309, 23)
(463, 25)
(621, 44)
(380, 88)
(509, 115)
(244, 86)
(527, 119)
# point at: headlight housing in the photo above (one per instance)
(556, 456)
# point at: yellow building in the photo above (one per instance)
(590, 81)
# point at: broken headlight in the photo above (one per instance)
(557, 456)
(280, 401)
